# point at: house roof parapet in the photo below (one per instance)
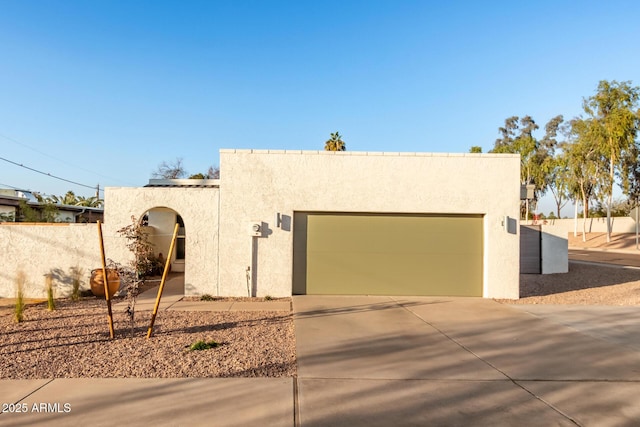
(184, 183)
(366, 153)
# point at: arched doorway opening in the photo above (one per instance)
(159, 223)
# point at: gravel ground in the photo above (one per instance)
(73, 341)
(584, 284)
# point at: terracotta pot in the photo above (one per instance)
(97, 282)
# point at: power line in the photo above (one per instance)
(47, 174)
(10, 186)
(60, 160)
(28, 190)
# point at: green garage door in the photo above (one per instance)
(387, 254)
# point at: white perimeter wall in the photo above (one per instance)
(620, 224)
(198, 208)
(259, 184)
(43, 249)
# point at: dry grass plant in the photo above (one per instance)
(51, 304)
(21, 279)
(76, 274)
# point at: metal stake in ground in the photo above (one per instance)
(106, 281)
(164, 278)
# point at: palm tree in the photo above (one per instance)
(90, 202)
(335, 143)
(69, 198)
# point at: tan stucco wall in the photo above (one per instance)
(38, 250)
(198, 207)
(259, 184)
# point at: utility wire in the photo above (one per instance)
(61, 160)
(10, 186)
(47, 174)
(28, 190)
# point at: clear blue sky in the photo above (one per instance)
(103, 91)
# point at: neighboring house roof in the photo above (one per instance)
(18, 194)
(187, 183)
(8, 199)
(74, 208)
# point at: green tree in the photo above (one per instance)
(7, 217)
(553, 163)
(27, 213)
(90, 202)
(619, 207)
(475, 149)
(517, 137)
(614, 120)
(558, 179)
(633, 176)
(212, 173)
(71, 199)
(584, 167)
(335, 143)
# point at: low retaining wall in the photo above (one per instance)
(41, 249)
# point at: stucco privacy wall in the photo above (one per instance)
(619, 224)
(555, 249)
(257, 185)
(42, 249)
(198, 208)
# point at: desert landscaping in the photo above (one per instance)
(73, 340)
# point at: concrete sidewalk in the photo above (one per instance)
(380, 361)
(144, 402)
(173, 299)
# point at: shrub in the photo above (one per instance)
(203, 345)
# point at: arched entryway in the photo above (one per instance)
(159, 223)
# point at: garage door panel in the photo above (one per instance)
(389, 242)
(380, 274)
(388, 254)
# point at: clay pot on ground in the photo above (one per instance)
(97, 282)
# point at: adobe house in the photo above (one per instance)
(314, 222)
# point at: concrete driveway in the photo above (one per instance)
(458, 361)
